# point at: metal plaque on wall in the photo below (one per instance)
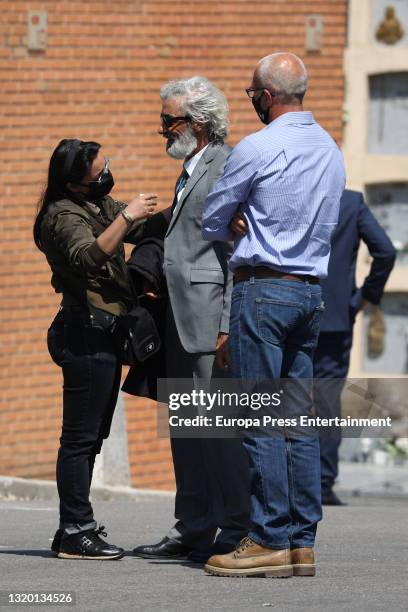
(389, 204)
(388, 114)
(393, 358)
(389, 25)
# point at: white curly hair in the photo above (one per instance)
(203, 102)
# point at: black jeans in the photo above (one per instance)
(91, 371)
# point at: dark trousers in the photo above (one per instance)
(212, 474)
(91, 372)
(330, 365)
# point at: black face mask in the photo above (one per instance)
(262, 114)
(100, 188)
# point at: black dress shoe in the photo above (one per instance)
(165, 549)
(329, 498)
(55, 546)
(218, 548)
(88, 545)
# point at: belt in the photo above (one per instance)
(101, 317)
(246, 272)
(96, 316)
(72, 309)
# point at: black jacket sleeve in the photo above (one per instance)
(152, 227)
(381, 250)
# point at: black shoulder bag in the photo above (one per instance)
(134, 334)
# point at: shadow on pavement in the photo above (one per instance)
(181, 562)
(29, 553)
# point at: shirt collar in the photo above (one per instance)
(299, 117)
(191, 163)
(96, 209)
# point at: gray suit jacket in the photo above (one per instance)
(198, 279)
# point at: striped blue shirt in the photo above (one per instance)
(287, 179)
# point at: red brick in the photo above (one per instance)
(99, 78)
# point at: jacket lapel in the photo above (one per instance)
(198, 172)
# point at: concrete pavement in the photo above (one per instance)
(374, 480)
(354, 479)
(361, 552)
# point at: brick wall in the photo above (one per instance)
(99, 79)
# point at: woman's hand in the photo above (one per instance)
(143, 206)
(137, 210)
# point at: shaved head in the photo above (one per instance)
(284, 74)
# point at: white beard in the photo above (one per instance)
(182, 146)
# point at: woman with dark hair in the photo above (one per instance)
(81, 230)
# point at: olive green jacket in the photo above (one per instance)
(81, 271)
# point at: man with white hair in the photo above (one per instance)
(280, 195)
(212, 476)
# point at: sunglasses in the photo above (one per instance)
(100, 175)
(251, 90)
(169, 120)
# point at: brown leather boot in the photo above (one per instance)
(251, 559)
(303, 561)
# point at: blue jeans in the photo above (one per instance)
(274, 328)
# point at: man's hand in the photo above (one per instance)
(222, 358)
(238, 224)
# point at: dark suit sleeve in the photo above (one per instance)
(381, 250)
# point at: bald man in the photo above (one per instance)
(280, 195)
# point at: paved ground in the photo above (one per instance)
(362, 563)
(368, 479)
